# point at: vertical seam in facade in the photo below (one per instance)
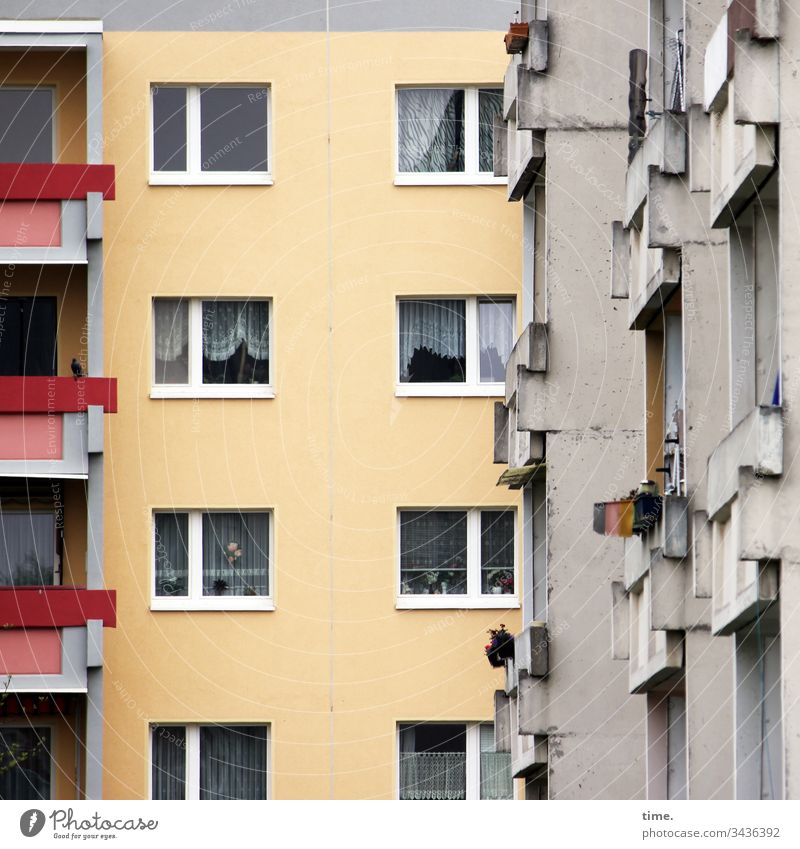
(331, 590)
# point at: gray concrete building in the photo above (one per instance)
(570, 426)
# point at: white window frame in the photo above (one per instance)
(470, 176)
(195, 388)
(195, 600)
(194, 176)
(193, 754)
(473, 598)
(472, 386)
(473, 770)
(54, 115)
(14, 722)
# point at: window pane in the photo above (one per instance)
(497, 551)
(26, 125)
(496, 781)
(27, 549)
(496, 331)
(233, 762)
(28, 329)
(169, 762)
(172, 556)
(235, 342)
(233, 129)
(169, 128)
(490, 103)
(433, 552)
(433, 341)
(430, 129)
(171, 338)
(235, 554)
(433, 761)
(24, 763)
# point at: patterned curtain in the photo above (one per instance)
(233, 762)
(497, 551)
(172, 555)
(430, 129)
(169, 762)
(435, 326)
(235, 553)
(496, 780)
(497, 333)
(433, 552)
(226, 324)
(490, 103)
(171, 328)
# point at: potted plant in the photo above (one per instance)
(646, 507)
(500, 646)
(220, 585)
(516, 38)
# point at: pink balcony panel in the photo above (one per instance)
(35, 652)
(30, 224)
(31, 437)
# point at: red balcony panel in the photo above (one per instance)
(36, 652)
(31, 437)
(56, 607)
(57, 394)
(30, 224)
(46, 181)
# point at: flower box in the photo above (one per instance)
(501, 647)
(614, 518)
(516, 38)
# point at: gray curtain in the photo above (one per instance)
(438, 325)
(497, 551)
(433, 552)
(226, 324)
(490, 103)
(169, 762)
(497, 333)
(171, 554)
(233, 762)
(496, 781)
(235, 552)
(430, 129)
(27, 548)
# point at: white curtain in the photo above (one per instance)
(430, 129)
(490, 103)
(226, 324)
(496, 331)
(172, 557)
(235, 547)
(27, 548)
(171, 331)
(233, 762)
(438, 325)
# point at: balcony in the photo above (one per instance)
(49, 211)
(49, 425)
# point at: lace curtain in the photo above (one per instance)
(497, 333)
(436, 325)
(172, 556)
(497, 551)
(433, 552)
(433, 775)
(226, 324)
(496, 781)
(430, 129)
(27, 549)
(171, 329)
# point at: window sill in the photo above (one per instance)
(456, 602)
(228, 178)
(449, 390)
(227, 603)
(212, 391)
(449, 179)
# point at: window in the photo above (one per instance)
(449, 761)
(209, 762)
(213, 349)
(446, 135)
(454, 346)
(28, 336)
(25, 762)
(217, 135)
(457, 558)
(27, 549)
(212, 560)
(26, 132)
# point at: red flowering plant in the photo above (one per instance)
(500, 646)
